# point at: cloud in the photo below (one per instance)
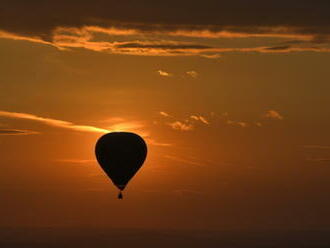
(208, 19)
(87, 37)
(122, 126)
(191, 122)
(272, 114)
(188, 124)
(16, 132)
(76, 161)
(155, 143)
(147, 30)
(203, 119)
(225, 118)
(168, 45)
(178, 125)
(12, 36)
(116, 28)
(148, 43)
(192, 74)
(113, 119)
(278, 48)
(200, 118)
(190, 161)
(126, 125)
(242, 124)
(164, 114)
(53, 122)
(164, 73)
(237, 123)
(119, 124)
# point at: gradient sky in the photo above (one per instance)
(232, 98)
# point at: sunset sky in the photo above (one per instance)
(232, 98)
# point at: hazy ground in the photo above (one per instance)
(95, 238)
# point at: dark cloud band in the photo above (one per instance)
(38, 17)
(16, 132)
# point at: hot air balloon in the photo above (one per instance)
(121, 155)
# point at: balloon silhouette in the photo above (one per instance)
(121, 155)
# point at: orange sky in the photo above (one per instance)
(236, 119)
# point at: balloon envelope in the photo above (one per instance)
(121, 154)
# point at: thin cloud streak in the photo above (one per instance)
(17, 132)
(200, 118)
(185, 160)
(190, 123)
(76, 161)
(237, 123)
(124, 126)
(155, 143)
(273, 114)
(53, 122)
(164, 114)
(192, 74)
(214, 32)
(178, 125)
(111, 27)
(71, 38)
(164, 73)
(173, 48)
(238, 16)
(12, 36)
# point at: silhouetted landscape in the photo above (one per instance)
(99, 238)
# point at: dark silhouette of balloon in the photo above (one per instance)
(121, 155)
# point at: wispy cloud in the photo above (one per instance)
(237, 123)
(192, 74)
(34, 39)
(120, 124)
(134, 126)
(156, 143)
(126, 125)
(17, 132)
(223, 19)
(178, 125)
(164, 114)
(164, 73)
(273, 114)
(145, 42)
(112, 120)
(190, 123)
(190, 161)
(194, 117)
(112, 28)
(53, 122)
(171, 46)
(196, 32)
(200, 118)
(76, 161)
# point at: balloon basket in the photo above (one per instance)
(120, 195)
